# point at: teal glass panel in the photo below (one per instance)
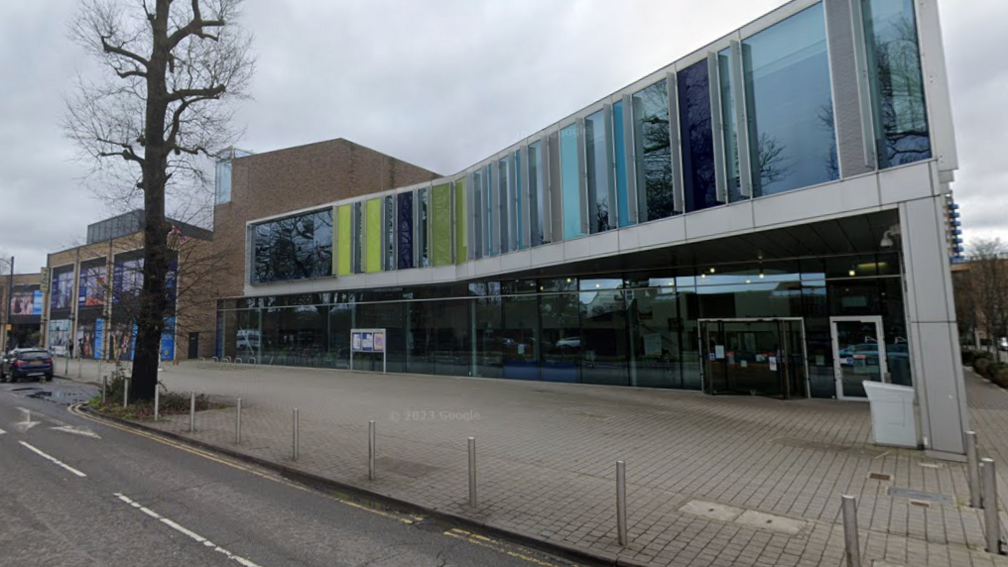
(619, 147)
(569, 181)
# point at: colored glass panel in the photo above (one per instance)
(653, 152)
(291, 248)
(697, 138)
(441, 232)
(343, 249)
(570, 182)
(405, 228)
(374, 236)
(460, 221)
(597, 173)
(619, 148)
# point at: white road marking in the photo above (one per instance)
(181, 529)
(27, 424)
(53, 460)
(77, 430)
(2, 432)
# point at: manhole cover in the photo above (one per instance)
(919, 495)
(403, 467)
(858, 450)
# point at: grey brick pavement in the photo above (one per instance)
(547, 456)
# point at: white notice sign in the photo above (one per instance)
(719, 351)
(773, 363)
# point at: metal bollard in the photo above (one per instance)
(621, 516)
(192, 411)
(157, 400)
(973, 466)
(371, 450)
(295, 452)
(125, 392)
(472, 472)
(992, 523)
(238, 423)
(852, 546)
(104, 385)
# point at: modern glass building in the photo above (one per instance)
(764, 216)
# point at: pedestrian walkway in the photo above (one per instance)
(700, 469)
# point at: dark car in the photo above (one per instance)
(27, 363)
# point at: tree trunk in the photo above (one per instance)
(153, 295)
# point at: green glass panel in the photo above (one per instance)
(373, 239)
(343, 241)
(460, 222)
(442, 225)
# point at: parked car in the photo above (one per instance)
(27, 363)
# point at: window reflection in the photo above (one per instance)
(537, 212)
(405, 228)
(293, 248)
(653, 153)
(597, 172)
(900, 112)
(790, 105)
(570, 182)
(729, 130)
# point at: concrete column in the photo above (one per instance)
(931, 322)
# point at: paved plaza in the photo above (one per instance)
(711, 480)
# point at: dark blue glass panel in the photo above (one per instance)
(405, 224)
(697, 138)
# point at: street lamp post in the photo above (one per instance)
(10, 295)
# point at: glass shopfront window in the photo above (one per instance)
(653, 152)
(900, 112)
(293, 248)
(697, 140)
(603, 332)
(790, 105)
(598, 174)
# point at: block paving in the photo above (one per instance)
(547, 453)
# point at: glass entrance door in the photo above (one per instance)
(760, 357)
(859, 354)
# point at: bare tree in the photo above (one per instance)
(171, 71)
(986, 287)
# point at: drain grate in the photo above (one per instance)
(880, 476)
(919, 495)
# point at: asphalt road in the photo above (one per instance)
(75, 492)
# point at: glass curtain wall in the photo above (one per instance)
(293, 248)
(639, 329)
(423, 252)
(506, 206)
(619, 159)
(461, 222)
(389, 221)
(479, 236)
(405, 229)
(790, 104)
(539, 204)
(729, 133)
(374, 228)
(900, 112)
(441, 226)
(653, 152)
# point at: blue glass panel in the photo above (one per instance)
(697, 139)
(538, 209)
(901, 122)
(790, 104)
(569, 182)
(405, 230)
(619, 147)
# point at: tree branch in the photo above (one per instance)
(118, 50)
(206, 94)
(195, 27)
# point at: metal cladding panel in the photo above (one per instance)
(847, 113)
(344, 251)
(441, 232)
(717, 126)
(373, 231)
(404, 227)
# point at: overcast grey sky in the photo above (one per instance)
(440, 83)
